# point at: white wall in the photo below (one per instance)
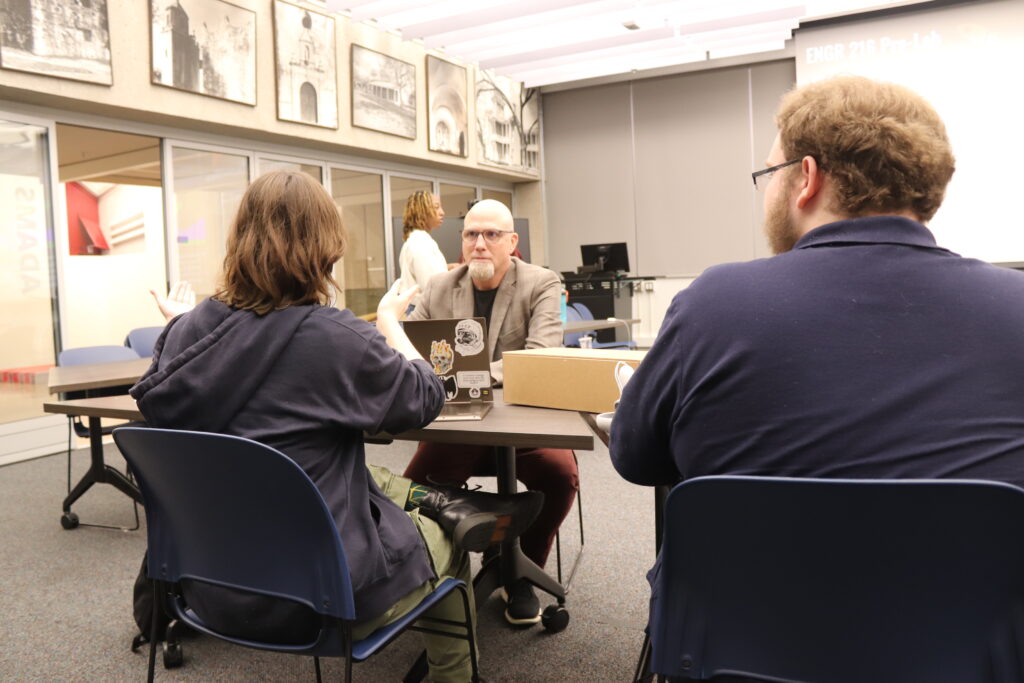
(108, 295)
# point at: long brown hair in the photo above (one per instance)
(419, 212)
(286, 238)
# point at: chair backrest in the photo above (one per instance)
(573, 338)
(839, 580)
(584, 311)
(141, 340)
(237, 513)
(94, 354)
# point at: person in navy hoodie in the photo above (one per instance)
(862, 349)
(268, 358)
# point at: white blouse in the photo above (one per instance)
(420, 260)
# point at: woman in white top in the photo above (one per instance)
(420, 258)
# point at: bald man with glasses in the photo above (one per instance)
(521, 304)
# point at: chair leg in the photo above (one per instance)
(316, 665)
(643, 665)
(464, 592)
(152, 631)
(558, 535)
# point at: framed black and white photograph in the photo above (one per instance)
(307, 65)
(507, 123)
(383, 93)
(448, 117)
(57, 38)
(206, 47)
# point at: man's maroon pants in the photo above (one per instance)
(551, 471)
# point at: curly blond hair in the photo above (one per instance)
(419, 213)
(882, 145)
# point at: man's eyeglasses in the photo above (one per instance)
(490, 236)
(762, 177)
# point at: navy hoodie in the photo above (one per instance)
(308, 381)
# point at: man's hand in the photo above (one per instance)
(181, 299)
(394, 304)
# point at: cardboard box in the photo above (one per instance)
(569, 379)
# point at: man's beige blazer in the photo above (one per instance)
(525, 313)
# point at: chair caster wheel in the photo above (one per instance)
(173, 656)
(69, 520)
(554, 618)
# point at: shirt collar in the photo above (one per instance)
(870, 230)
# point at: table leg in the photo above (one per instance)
(99, 472)
(511, 564)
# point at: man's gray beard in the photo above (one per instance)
(778, 225)
(481, 270)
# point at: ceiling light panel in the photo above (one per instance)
(622, 53)
(482, 15)
(604, 68)
(381, 9)
(631, 39)
(542, 37)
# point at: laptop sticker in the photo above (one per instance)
(469, 337)
(441, 356)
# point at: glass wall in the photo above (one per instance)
(264, 165)
(113, 217)
(455, 199)
(401, 190)
(362, 271)
(208, 187)
(503, 197)
(26, 277)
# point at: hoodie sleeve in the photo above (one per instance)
(386, 392)
(641, 443)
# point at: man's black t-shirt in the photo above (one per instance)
(483, 303)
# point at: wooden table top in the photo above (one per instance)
(97, 375)
(505, 425)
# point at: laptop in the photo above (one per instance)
(457, 349)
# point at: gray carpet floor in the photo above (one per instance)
(65, 596)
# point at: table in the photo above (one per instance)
(506, 427)
(84, 378)
(97, 375)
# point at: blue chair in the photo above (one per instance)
(238, 514)
(843, 581)
(84, 355)
(141, 340)
(585, 314)
(573, 338)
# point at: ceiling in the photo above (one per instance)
(547, 42)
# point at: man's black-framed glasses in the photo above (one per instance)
(490, 236)
(762, 177)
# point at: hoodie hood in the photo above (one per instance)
(210, 361)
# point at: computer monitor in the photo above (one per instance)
(605, 258)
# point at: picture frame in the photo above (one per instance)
(507, 123)
(383, 93)
(49, 38)
(447, 115)
(306, 61)
(217, 60)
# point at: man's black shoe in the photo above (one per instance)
(477, 519)
(523, 607)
